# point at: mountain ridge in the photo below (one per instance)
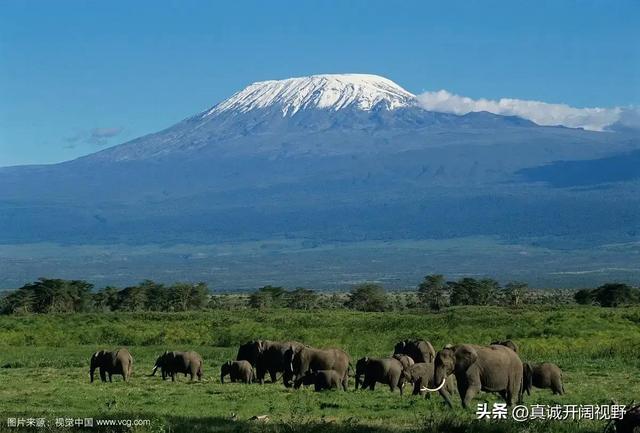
(366, 171)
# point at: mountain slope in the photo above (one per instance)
(329, 158)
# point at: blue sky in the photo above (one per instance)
(76, 76)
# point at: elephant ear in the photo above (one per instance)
(466, 356)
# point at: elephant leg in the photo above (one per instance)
(508, 396)
(103, 375)
(274, 375)
(557, 387)
(260, 371)
(110, 378)
(173, 377)
(470, 393)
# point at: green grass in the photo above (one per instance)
(44, 362)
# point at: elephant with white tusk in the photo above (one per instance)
(479, 368)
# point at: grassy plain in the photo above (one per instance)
(44, 367)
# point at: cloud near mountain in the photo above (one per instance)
(542, 113)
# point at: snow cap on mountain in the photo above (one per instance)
(330, 92)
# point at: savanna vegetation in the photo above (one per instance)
(433, 293)
(44, 360)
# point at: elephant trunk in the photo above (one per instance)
(439, 377)
(91, 372)
(222, 375)
(155, 368)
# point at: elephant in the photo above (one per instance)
(325, 379)
(380, 370)
(405, 360)
(118, 362)
(545, 375)
(171, 363)
(493, 368)
(238, 371)
(421, 376)
(418, 350)
(508, 343)
(267, 356)
(307, 359)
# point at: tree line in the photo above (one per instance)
(76, 296)
(433, 293)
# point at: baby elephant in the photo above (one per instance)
(508, 343)
(172, 363)
(239, 371)
(380, 370)
(324, 379)
(422, 374)
(118, 362)
(545, 375)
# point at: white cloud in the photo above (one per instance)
(542, 113)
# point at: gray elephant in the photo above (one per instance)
(421, 376)
(418, 350)
(405, 360)
(388, 371)
(545, 375)
(171, 363)
(238, 371)
(267, 357)
(326, 379)
(110, 363)
(479, 368)
(307, 360)
(508, 343)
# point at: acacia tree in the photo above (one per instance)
(431, 292)
(187, 296)
(367, 297)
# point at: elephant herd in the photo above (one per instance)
(467, 368)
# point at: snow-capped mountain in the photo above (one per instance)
(328, 92)
(337, 157)
(316, 115)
